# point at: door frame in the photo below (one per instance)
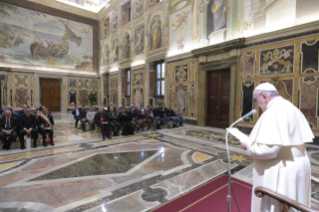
(233, 65)
(63, 89)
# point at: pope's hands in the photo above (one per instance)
(243, 144)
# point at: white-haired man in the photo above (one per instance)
(276, 144)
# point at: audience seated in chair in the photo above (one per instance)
(28, 124)
(171, 115)
(90, 118)
(83, 117)
(157, 116)
(142, 118)
(179, 115)
(46, 124)
(76, 113)
(134, 116)
(102, 122)
(113, 121)
(125, 121)
(150, 116)
(8, 128)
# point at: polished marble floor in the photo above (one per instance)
(135, 173)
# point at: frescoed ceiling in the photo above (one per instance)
(90, 5)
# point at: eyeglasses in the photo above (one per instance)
(255, 99)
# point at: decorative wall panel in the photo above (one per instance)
(137, 81)
(249, 64)
(308, 99)
(114, 89)
(277, 61)
(20, 90)
(291, 70)
(80, 88)
(247, 104)
(181, 87)
(4, 89)
(309, 56)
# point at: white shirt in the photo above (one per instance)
(77, 112)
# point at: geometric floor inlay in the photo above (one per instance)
(100, 164)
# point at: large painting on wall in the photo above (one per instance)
(180, 38)
(33, 38)
(216, 17)
(139, 40)
(156, 33)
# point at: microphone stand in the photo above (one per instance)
(229, 167)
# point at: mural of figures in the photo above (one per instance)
(126, 46)
(156, 33)
(33, 38)
(180, 34)
(115, 50)
(216, 16)
(138, 97)
(277, 61)
(139, 8)
(139, 40)
(115, 20)
(91, 5)
(106, 54)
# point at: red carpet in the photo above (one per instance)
(212, 196)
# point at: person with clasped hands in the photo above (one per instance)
(8, 127)
(28, 124)
(277, 145)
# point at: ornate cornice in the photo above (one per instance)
(220, 48)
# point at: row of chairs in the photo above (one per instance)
(18, 145)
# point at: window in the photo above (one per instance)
(126, 12)
(160, 79)
(128, 83)
(106, 27)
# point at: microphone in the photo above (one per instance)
(252, 112)
(229, 167)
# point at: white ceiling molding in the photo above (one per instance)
(67, 8)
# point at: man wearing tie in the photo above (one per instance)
(28, 124)
(8, 127)
(46, 123)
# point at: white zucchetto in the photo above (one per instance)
(265, 87)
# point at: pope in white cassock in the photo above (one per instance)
(277, 145)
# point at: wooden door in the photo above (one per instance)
(218, 97)
(51, 94)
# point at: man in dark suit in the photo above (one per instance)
(102, 121)
(8, 127)
(46, 124)
(28, 124)
(83, 117)
(76, 112)
(157, 116)
(113, 119)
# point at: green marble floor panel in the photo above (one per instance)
(100, 164)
